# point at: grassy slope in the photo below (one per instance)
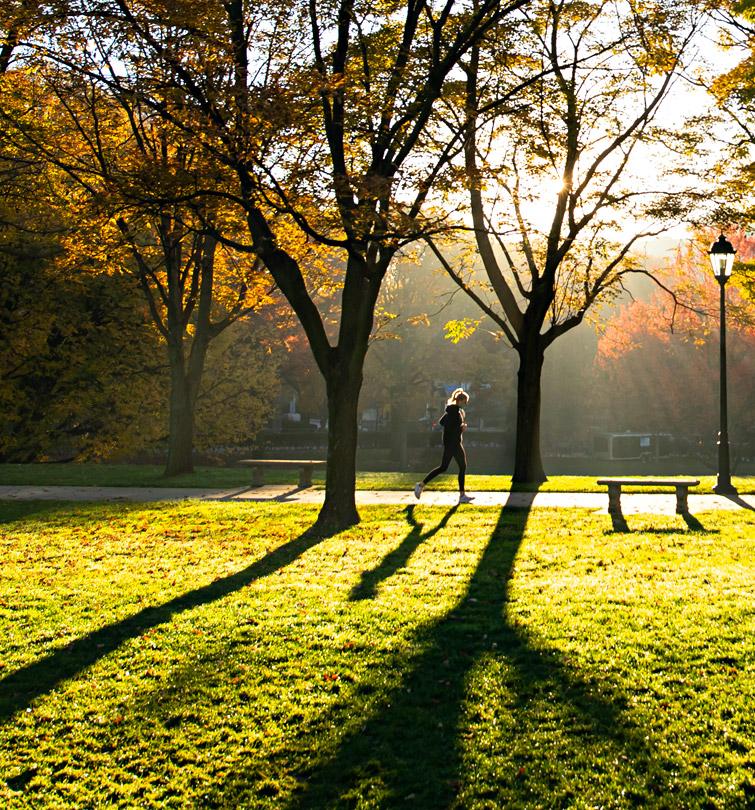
(152, 476)
(216, 655)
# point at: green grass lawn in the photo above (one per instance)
(146, 475)
(217, 655)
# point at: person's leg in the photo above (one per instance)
(448, 454)
(461, 459)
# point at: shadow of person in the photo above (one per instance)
(366, 588)
(22, 686)
(412, 745)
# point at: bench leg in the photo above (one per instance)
(681, 500)
(614, 499)
(305, 475)
(258, 476)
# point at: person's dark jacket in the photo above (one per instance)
(452, 421)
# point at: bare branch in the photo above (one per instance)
(492, 314)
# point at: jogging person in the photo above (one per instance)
(453, 448)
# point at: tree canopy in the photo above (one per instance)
(559, 123)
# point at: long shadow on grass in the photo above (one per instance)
(11, 511)
(414, 747)
(367, 585)
(18, 689)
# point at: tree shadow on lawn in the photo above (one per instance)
(11, 511)
(20, 688)
(366, 588)
(430, 743)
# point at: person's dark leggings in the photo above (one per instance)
(450, 451)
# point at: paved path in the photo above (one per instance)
(631, 503)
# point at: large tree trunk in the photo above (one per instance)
(343, 378)
(186, 372)
(339, 510)
(528, 463)
(184, 388)
(341, 365)
(181, 422)
(185, 380)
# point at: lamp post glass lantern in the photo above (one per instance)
(722, 260)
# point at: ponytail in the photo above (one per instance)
(456, 393)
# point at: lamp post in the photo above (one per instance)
(722, 261)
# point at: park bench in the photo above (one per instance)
(681, 486)
(305, 466)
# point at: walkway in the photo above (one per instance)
(631, 503)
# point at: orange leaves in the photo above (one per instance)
(694, 315)
(634, 323)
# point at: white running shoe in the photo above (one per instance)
(466, 498)
(418, 487)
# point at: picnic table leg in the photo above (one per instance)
(681, 500)
(305, 475)
(614, 499)
(258, 476)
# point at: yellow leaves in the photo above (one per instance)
(654, 26)
(334, 85)
(739, 82)
(745, 9)
(383, 314)
(461, 329)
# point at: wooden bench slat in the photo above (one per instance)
(287, 462)
(305, 466)
(650, 482)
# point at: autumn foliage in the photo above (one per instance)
(658, 359)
